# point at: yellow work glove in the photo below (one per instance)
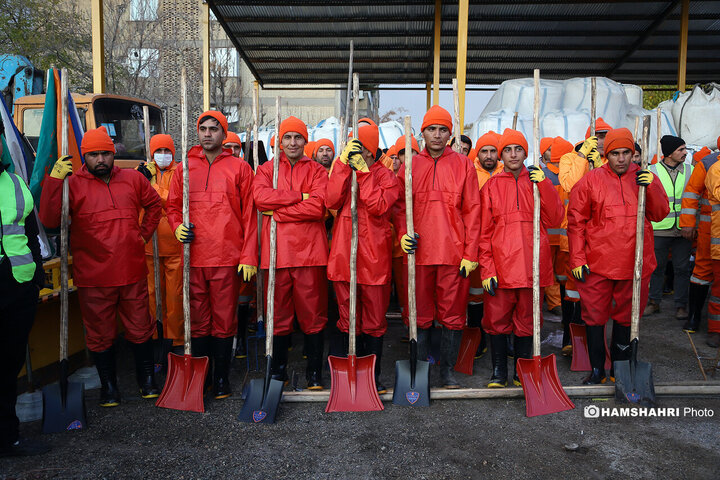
(409, 244)
(62, 167)
(352, 148)
(247, 272)
(185, 234)
(643, 177)
(305, 196)
(581, 272)
(466, 267)
(147, 169)
(536, 174)
(268, 213)
(594, 158)
(490, 284)
(357, 162)
(588, 145)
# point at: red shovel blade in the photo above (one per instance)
(543, 392)
(468, 347)
(580, 355)
(352, 387)
(183, 388)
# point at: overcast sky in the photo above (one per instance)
(415, 102)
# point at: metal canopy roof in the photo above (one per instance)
(307, 42)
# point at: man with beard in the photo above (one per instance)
(108, 248)
(223, 233)
(487, 164)
(602, 217)
(324, 153)
(674, 174)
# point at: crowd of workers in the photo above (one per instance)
(473, 222)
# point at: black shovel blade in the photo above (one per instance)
(403, 394)
(62, 414)
(634, 380)
(254, 410)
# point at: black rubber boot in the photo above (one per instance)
(374, 346)
(510, 345)
(201, 347)
(449, 347)
(278, 369)
(105, 364)
(423, 343)
(498, 353)
(145, 369)
(315, 349)
(620, 346)
(596, 352)
(523, 349)
(696, 302)
(338, 344)
(222, 352)
(241, 344)
(475, 315)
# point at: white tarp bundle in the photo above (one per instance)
(565, 109)
(697, 115)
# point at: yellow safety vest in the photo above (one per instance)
(674, 192)
(16, 204)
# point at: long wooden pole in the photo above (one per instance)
(659, 134)
(682, 45)
(270, 326)
(155, 246)
(256, 163)
(456, 117)
(410, 226)
(185, 209)
(536, 219)
(593, 109)
(64, 219)
(98, 46)
(514, 122)
(461, 58)
(436, 52)
(346, 117)
(639, 236)
(354, 235)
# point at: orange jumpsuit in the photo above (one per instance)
(170, 261)
(712, 185)
(694, 201)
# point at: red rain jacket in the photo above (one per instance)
(221, 208)
(446, 208)
(378, 190)
(301, 235)
(602, 215)
(105, 235)
(506, 238)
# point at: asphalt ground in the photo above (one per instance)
(453, 439)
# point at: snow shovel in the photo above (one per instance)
(185, 382)
(469, 344)
(543, 392)
(633, 379)
(352, 387)
(412, 385)
(580, 354)
(264, 395)
(64, 402)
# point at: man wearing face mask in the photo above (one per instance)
(108, 248)
(160, 172)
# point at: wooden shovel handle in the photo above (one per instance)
(256, 163)
(270, 325)
(536, 219)
(639, 236)
(410, 226)
(64, 221)
(185, 210)
(352, 308)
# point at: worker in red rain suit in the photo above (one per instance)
(446, 211)
(108, 248)
(506, 241)
(602, 216)
(298, 207)
(378, 190)
(223, 233)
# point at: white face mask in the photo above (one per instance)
(163, 159)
